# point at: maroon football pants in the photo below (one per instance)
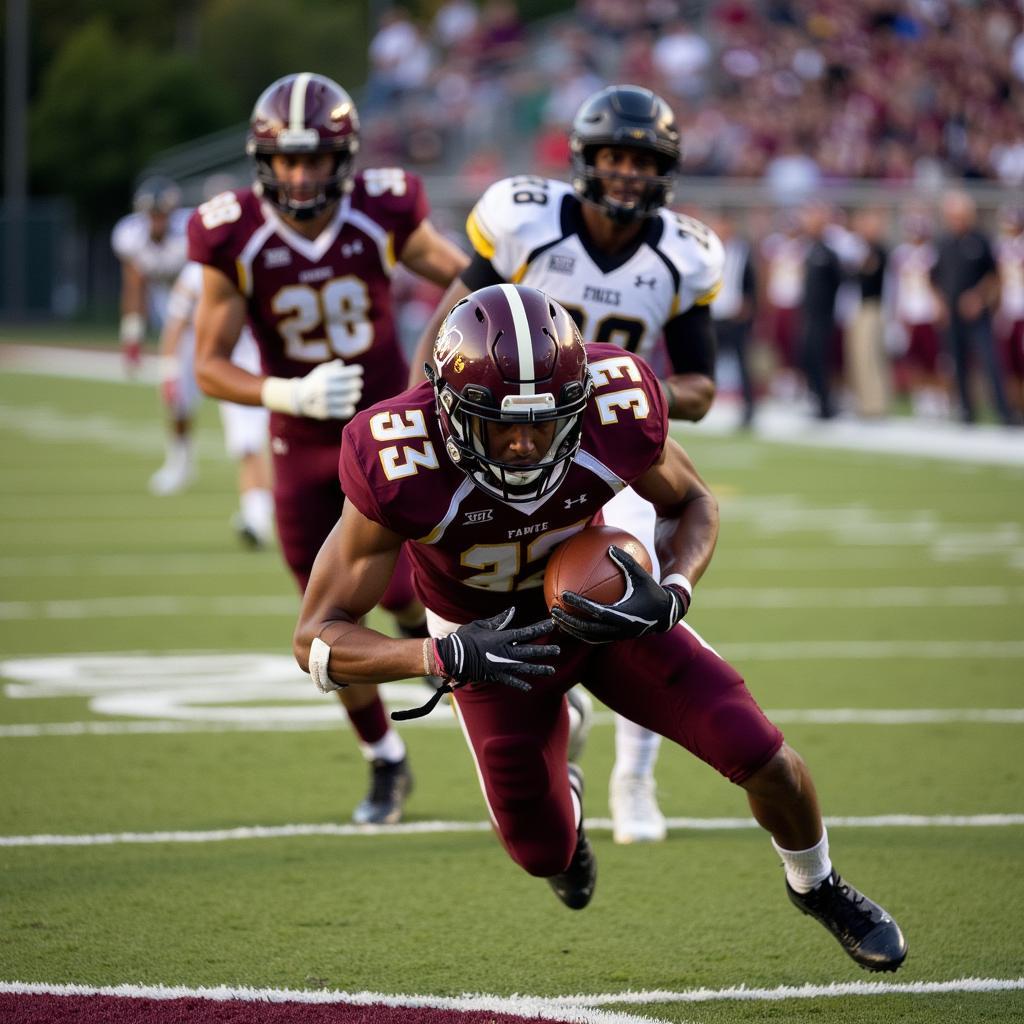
(671, 683)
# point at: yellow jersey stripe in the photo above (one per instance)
(709, 295)
(481, 243)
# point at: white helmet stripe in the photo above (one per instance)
(523, 341)
(297, 107)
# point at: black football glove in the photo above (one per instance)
(484, 651)
(646, 607)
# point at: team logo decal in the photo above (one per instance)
(459, 365)
(279, 257)
(562, 264)
(447, 346)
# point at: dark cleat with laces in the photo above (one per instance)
(390, 784)
(864, 929)
(575, 885)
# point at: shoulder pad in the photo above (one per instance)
(697, 254)
(514, 217)
(128, 236)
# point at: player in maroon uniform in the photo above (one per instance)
(513, 445)
(306, 257)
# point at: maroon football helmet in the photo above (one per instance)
(303, 113)
(510, 354)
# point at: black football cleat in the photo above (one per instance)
(864, 929)
(390, 784)
(575, 885)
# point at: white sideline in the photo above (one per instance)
(581, 1008)
(415, 828)
(537, 1007)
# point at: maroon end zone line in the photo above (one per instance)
(50, 1009)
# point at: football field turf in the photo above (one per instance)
(176, 795)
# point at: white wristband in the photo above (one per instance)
(319, 657)
(133, 327)
(278, 395)
(679, 580)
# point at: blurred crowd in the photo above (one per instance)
(867, 313)
(795, 92)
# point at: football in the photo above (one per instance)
(582, 564)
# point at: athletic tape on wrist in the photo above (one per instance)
(278, 395)
(319, 658)
(677, 579)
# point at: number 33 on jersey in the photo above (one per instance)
(472, 546)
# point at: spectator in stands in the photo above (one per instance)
(400, 60)
(965, 276)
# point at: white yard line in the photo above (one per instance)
(330, 721)
(416, 828)
(713, 598)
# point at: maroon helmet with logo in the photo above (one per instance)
(303, 113)
(510, 354)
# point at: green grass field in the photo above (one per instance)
(874, 603)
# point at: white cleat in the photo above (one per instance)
(172, 477)
(252, 535)
(636, 817)
(581, 714)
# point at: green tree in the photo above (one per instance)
(247, 44)
(104, 108)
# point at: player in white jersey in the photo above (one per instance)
(630, 272)
(245, 426)
(152, 246)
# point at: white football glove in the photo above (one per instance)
(330, 391)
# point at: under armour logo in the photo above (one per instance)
(569, 502)
(641, 280)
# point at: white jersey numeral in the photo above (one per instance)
(222, 209)
(339, 308)
(399, 461)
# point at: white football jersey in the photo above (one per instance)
(530, 229)
(158, 262)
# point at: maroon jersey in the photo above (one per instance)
(475, 555)
(311, 301)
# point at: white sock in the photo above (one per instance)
(179, 451)
(577, 807)
(390, 747)
(257, 506)
(806, 868)
(636, 748)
